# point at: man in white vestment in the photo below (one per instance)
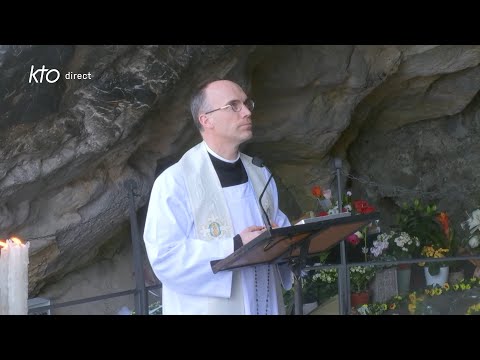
(205, 206)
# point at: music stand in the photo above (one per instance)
(293, 244)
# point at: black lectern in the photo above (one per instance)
(293, 244)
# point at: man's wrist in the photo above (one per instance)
(237, 242)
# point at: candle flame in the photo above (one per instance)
(16, 240)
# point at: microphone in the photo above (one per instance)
(259, 162)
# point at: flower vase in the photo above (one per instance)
(323, 205)
(404, 272)
(359, 298)
(439, 279)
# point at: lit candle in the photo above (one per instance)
(13, 277)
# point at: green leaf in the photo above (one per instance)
(433, 269)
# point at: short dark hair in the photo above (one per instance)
(198, 101)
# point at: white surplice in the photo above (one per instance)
(182, 262)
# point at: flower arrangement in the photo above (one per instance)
(317, 192)
(323, 202)
(379, 308)
(363, 207)
(327, 276)
(355, 238)
(321, 285)
(472, 242)
(473, 309)
(346, 204)
(360, 277)
(417, 302)
(324, 282)
(395, 245)
(432, 228)
(426, 223)
(326, 206)
(436, 253)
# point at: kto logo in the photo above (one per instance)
(51, 75)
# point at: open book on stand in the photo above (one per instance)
(282, 244)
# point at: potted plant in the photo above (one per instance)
(317, 287)
(433, 230)
(397, 245)
(360, 277)
(421, 221)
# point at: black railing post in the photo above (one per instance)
(141, 306)
(343, 271)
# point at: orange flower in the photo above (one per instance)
(317, 191)
(444, 221)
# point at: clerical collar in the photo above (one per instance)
(230, 173)
(210, 151)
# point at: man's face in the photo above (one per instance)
(229, 125)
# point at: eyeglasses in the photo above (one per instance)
(236, 105)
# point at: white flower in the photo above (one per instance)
(473, 224)
(349, 193)
(359, 234)
(327, 194)
(333, 211)
(363, 310)
(476, 215)
(474, 241)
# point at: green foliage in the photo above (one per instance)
(289, 300)
(319, 285)
(360, 277)
(419, 220)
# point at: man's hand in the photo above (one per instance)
(250, 233)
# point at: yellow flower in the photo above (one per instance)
(412, 308)
(473, 309)
(412, 297)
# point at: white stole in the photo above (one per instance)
(210, 211)
(211, 214)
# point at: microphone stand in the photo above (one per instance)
(261, 205)
(259, 162)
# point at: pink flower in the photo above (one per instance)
(353, 239)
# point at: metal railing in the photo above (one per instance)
(133, 291)
(140, 292)
(344, 296)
